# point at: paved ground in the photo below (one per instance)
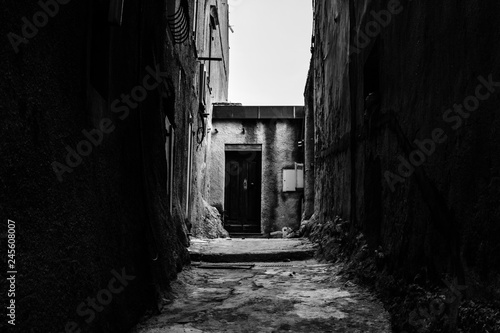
(296, 296)
(250, 249)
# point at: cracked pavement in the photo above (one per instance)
(297, 296)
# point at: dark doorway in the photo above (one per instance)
(242, 191)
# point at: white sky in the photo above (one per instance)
(269, 51)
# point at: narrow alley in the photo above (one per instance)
(271, 296)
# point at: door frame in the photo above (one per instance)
(247, 148)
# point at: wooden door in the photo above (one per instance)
(242, 191)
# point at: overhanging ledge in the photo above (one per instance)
(221, 111)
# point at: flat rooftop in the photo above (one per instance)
(231, 111)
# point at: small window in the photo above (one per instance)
(214, 17)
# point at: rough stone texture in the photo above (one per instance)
(370, 106)
(445, 216)
(209, 224)
(294, 297)
(416, 306)
(306, 226)
(112, 210)
(278, 138)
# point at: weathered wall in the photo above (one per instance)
(111, 212)
(425, 60)
(278, 138)
(218, 47)
(216, 89)
(309, 138)
(201, 225)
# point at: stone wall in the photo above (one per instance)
(374, 95)
(110, 213)
(279, 138)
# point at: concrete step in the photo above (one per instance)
(230, 250)
(246, 235)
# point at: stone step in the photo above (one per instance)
(231, 250)
(246, 235)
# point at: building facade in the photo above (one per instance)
(104, 138)
(256, 158)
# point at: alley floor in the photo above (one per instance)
(293, 296)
